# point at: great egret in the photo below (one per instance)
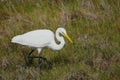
(38, 39)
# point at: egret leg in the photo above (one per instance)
(48, 64)
(30, 59)
(31, 52)
(39, 59)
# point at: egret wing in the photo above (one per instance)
(37, 38)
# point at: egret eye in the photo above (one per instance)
(61, 34)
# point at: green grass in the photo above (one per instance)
(94, 29)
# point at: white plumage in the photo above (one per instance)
(42, 38)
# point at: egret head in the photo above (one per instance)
(63, 32)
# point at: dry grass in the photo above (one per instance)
(92, 24)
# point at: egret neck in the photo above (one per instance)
(59, 46)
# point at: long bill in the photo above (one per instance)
(66, 35)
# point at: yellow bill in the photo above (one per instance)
(66, 35)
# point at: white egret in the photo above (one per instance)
(38, 39)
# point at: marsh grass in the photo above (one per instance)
(93, 27)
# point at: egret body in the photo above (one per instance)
(38, 39)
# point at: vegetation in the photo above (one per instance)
(93, 25)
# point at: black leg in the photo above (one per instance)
(30, 59)
(47, 63)
(31, 52)
(42, 62)
(40, 58)
(39, 61)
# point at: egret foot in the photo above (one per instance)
(48, 64)
(43, 63)
(28, 61)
